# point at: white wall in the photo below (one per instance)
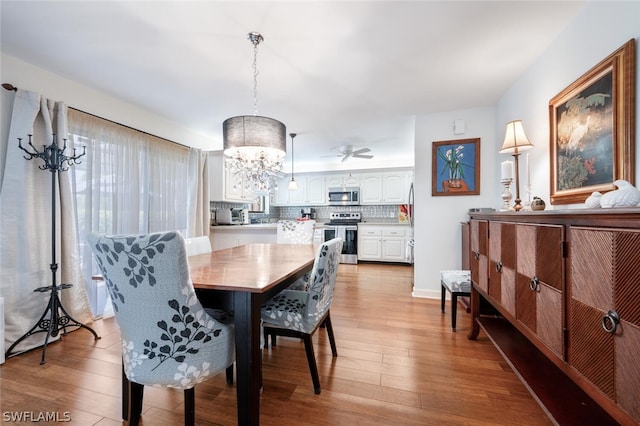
(598, 29)
(437, 230)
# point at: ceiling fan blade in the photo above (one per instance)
(345, 157)
(363, 156)
(360, 151)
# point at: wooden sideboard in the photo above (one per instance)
(569, 282)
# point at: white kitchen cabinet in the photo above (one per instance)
(342, 180)
(385, 187)
(225, 185)
(371, 188)
(394, 187)
(369, 243)
(311, 191)
(393, 244)
(383, 243)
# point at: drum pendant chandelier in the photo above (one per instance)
(255, 146)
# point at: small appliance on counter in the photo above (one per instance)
(308, 213)
(230, 216)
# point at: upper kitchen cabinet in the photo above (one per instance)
(385, 187)
(349, 180)
(224, 185)
(310, 192)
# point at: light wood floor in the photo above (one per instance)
(398, 364)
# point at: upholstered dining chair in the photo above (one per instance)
(168, 338)
(299, 313)
(197, 245)
(296, 232)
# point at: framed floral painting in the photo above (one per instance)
(455, 167)
(592, 124)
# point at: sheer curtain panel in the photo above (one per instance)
(132, 182)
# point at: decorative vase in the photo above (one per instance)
(538, 204)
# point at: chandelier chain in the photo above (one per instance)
(256, 41)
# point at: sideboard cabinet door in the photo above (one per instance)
(605, 293)
(539, 283)
(502, 264)
(479, 253)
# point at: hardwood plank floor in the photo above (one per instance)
(398, 363)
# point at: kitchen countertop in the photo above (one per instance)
(273, 226)
(254, 226)
(384, 222)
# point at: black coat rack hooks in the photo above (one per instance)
(55, 317)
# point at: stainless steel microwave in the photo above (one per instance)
(344, 196)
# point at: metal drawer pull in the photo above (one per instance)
(476, 254)
(499, 266)
(610, 321)
(534, 284)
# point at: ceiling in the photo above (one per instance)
(336, 73)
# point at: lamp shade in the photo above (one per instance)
(514, 139)
(254, 132)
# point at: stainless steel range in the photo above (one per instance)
(344, 225)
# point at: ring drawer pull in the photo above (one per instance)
(534, 284)
(610, 321)
(499, 266)
(476, 254)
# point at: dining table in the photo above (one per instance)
(241, 279)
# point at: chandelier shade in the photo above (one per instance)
(255, 146)
(254, 132)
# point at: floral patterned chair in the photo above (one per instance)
(168, 339)
(296, 232)
(299, 313)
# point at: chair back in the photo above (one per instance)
(162, 324)
(323, 278)
(197, 245)
(295, 232)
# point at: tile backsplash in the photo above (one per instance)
(322, 212)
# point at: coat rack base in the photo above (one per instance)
(53, 320)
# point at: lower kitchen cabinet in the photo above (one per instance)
(568, 281)
(383, 243)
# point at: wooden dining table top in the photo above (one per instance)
(254, 268)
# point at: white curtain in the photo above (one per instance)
(26, 223)
(133, 182)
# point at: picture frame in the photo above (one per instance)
(592, 130)
(455, 167)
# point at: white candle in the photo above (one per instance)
(507, 170)
(528, 172)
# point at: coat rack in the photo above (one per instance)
(55, 317)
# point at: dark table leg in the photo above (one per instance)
(454, 309)
(248, 357)
(443, 297)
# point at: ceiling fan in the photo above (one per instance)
(347, 151)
